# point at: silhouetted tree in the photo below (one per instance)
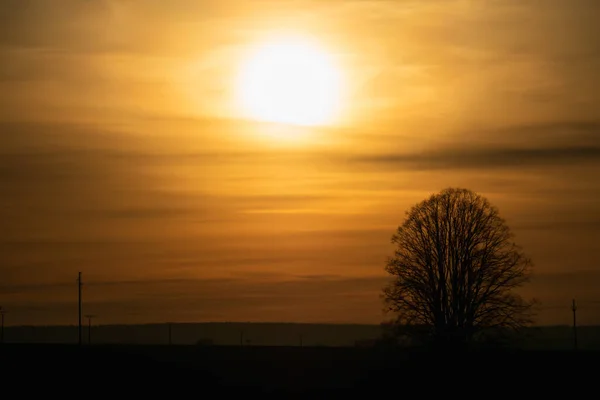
(455, 267)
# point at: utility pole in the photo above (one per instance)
(170, 335)
(2, 312)
(89, 318)
(79, 284)
(241, 338)
(300, 340)
(574, 309)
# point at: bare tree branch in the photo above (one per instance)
(455, 266)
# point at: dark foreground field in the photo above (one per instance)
(309, 371)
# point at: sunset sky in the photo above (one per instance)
(126, 152)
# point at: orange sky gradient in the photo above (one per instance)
(124, 155)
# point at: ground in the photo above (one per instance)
(314, 371)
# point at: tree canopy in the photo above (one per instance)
(455, 268)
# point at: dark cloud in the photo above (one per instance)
(555, 291)
(59, 67)
(147, 212)
(269, 296)
(586, 223)
(549, 144)
(476, 158)
(186, 299)
(72, 25)
(561, 132)
(121, 27)
(584, 278)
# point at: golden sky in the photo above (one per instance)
(124, 153)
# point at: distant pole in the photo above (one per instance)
(300, 340)
(241, 338)
(2, 312)
(574, 308)
(170, 335)
(79, 284)
(89, 318)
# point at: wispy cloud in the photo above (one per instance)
(461, 158)
(249, 299)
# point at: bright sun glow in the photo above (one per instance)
(290, 81)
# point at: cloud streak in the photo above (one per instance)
(486, 158)
(250, 299)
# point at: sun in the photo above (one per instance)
(290, 81)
